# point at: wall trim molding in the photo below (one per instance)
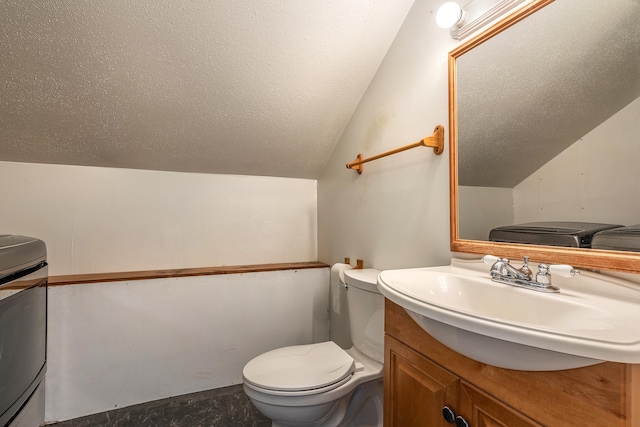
(79, 279)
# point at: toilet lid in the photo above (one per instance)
(298, 368)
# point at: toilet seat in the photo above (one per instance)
(300, 370)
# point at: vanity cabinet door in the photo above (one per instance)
(482, 410)
(416, 389)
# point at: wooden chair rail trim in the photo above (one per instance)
(78, 279)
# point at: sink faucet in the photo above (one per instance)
(503, 272)
(501, 268)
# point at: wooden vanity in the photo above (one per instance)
(422, 376)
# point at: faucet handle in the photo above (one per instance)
(490, 259)
(525, 267)
(563, 270)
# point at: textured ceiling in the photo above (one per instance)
(532, 91)
(217, 86)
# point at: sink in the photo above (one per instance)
(594, 318)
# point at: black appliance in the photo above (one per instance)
(23, 321)
(618, 239)
(550, 233)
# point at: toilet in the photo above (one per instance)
(322, 384)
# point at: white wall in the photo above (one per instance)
(97, 220)
(597, 179)
(480, 209)
(117, 344)
(396, 214)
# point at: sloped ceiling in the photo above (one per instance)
(214, 86)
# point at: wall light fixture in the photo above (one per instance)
(450, 14)
(475, 15)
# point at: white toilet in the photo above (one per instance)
(322, 384)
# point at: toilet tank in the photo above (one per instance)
(366, 312)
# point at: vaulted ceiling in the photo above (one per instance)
(214, 86)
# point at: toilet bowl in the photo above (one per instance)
(322, 384)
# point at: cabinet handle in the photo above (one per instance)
(448, 415)
(461, 422)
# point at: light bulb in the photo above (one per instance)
(449, 14)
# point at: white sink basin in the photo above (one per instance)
(594, 318)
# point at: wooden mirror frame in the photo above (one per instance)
(583, 258)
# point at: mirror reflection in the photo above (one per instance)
(548, 121)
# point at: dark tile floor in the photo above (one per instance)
(223, 407)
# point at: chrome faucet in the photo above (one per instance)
(501, 268)
(503, 272)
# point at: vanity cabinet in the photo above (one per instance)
(482, 410)
(422, 377)
(418, 390)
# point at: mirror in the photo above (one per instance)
(544, 125)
